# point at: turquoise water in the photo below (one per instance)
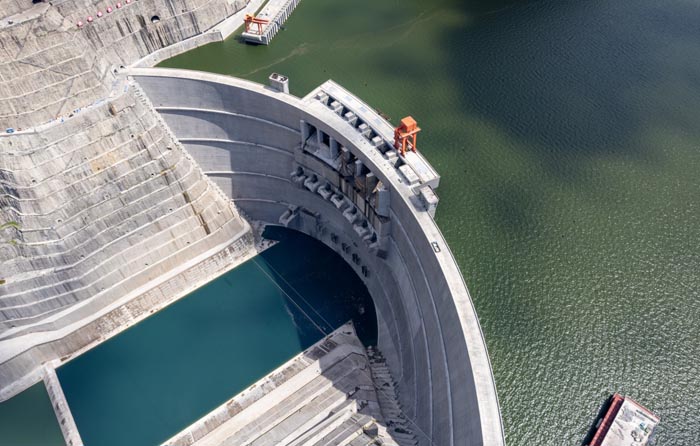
(567, 134)
(29, 420)
(151, 381)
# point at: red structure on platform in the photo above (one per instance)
(607, 420)
(251, 20)
(405, 135)
(625, 422)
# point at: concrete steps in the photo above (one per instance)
(324, 396)
(350, 430)
(124, 204)
(398, 425)
(299, 422)
(293, 409)
(342, 418)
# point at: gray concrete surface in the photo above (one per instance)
(326, 395)
(50, 67)
(217, 34)
(324, 165)
(22, 356)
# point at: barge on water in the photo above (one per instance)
(625, 423)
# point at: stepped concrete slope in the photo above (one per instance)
(325, 165)
(50, 67)
(104, 218)
(324, 396)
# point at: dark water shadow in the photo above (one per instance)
(574, 77)
(322, 291)
(489, 6)
(574, 86)
(571, 85)
(594, 426)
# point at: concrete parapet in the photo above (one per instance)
(60, 407)
(324, 165)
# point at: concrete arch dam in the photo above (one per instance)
(324, 165)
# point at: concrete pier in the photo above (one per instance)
(60, 407)
(276, 12)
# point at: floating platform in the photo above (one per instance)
(626, 422)
(274, 14)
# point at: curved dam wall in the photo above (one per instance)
(324, 165)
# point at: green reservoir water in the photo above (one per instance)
(29, 420)
(567, 134)
(151, 381)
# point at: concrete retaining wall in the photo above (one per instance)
(103, 217)
(87, 202)
(254, 142)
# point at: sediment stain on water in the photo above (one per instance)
(567, 134)
(28, 419)
(151, 381)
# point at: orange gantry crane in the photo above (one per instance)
(251, 20)
(405, 135)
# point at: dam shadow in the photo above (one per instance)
(322, 291)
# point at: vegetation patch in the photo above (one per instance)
(9, 224)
